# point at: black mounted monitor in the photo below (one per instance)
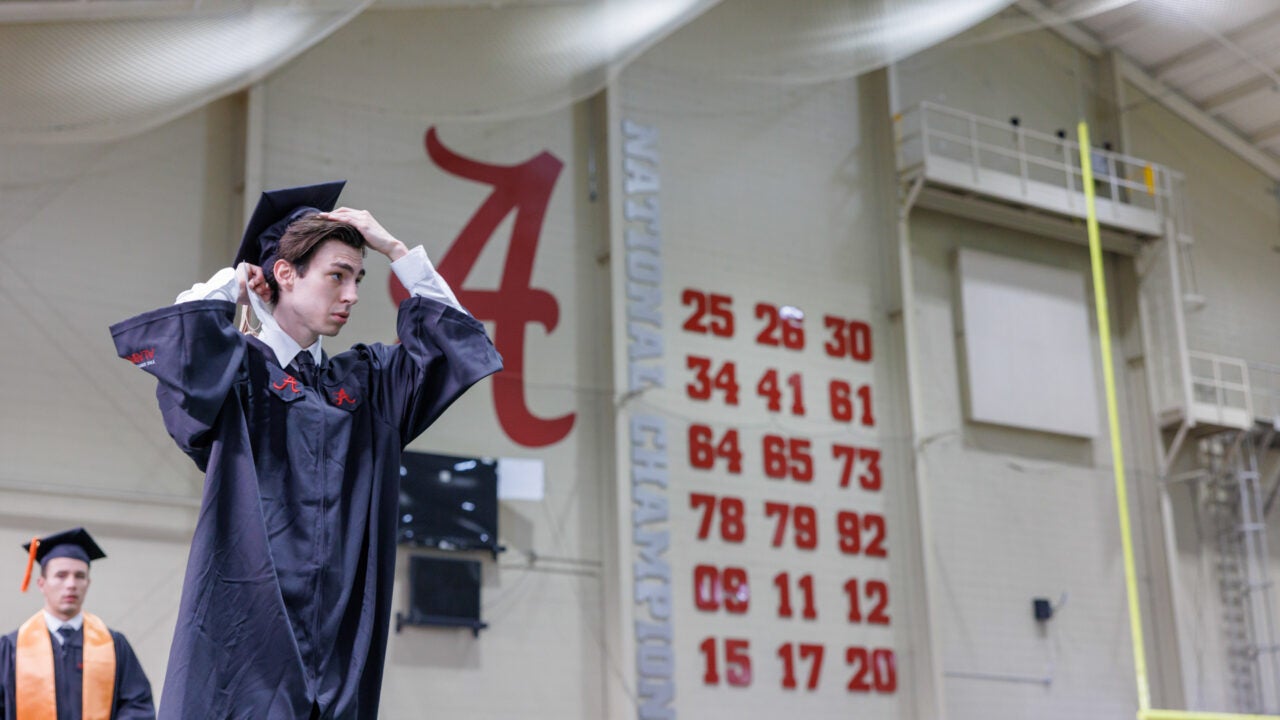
(448, 502)
(443, 592)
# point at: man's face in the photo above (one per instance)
(64, 583)
(320, 302)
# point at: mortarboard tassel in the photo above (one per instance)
(31, 561)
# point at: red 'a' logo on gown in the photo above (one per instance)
(524, 189)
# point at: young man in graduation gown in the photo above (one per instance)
(287, 598)
(64, 663)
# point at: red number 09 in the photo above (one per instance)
(713, 588)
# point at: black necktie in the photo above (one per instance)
(66, 631)
(306, 367)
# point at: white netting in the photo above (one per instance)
(104, 79)
(811, 42)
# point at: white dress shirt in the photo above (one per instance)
(55, 623)
(414, 270)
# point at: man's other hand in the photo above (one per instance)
(252, 280)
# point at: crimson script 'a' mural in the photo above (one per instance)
(524, 189)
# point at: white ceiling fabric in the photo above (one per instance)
(105, 79)
(484, 62)
(112, 77)
(813, 42)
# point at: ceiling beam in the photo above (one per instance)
(1203, 121)
(1221, 102)
(1068, 30)
(1118, 33)
(1266, 135)
(1265, 25)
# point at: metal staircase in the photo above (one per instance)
(1226, 410)
(1229, 408)
(1233, 502)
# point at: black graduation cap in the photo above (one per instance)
(74, 543)
(275, 211)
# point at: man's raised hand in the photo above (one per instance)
(374, 234)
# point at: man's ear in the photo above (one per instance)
(286, 274)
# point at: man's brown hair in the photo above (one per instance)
(300, 241)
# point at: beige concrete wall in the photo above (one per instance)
(777, 194)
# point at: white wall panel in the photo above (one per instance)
(117, 229)
(769, 193)
(94, 234)
(768, 198)
(1028, 359)
(1017, 514)
(994, 76)
(1233, 215)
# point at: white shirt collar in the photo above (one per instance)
(285, 347)
(53, 623)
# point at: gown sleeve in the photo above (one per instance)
(195, 352)
(7, 709)
(442, 352)
(133, 690)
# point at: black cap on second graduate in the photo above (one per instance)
(275, 211)
(74, 543)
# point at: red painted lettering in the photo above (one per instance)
(524, 189)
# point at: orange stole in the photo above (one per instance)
(37, 695)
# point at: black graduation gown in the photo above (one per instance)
(287, 598)
(130, 701)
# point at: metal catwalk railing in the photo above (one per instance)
(1013, 163)
(1264, 386)
(1222, 383)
